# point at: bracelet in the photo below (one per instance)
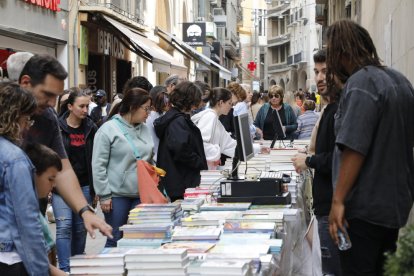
(86, 208)
(308, 161)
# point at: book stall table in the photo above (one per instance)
(198, 236)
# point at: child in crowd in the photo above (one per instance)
(47, 164)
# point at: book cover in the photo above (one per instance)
(157, 265)
(224, 267)
(106, 259)
(226, 206)
(192, 247)
(97, 270)
(196, 233)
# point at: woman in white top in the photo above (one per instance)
(216, 140)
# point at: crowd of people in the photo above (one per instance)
(84, 148)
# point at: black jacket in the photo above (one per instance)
(96, 114)
(322, 162)
(180, 152)
(90, 129)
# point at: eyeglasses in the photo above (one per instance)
(146, 108)
(274, 96)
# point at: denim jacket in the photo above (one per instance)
(21, 230)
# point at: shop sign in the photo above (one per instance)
(108, 44)
(52, 5)
(194, 34)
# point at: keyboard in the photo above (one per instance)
(270, 175)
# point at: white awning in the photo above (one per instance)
(223, 72)
(160, 59)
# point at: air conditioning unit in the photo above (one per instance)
(218, 11)
(215, 2)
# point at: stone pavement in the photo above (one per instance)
(93, 246)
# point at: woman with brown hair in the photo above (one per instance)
(181, 151)
(266, 117)
(22, 242)
(114, 166)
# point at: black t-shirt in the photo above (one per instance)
(375, 117)
(77, 153)
(46, 131)
(269, 123)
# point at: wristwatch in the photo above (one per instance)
(86, 208)
(308, 161)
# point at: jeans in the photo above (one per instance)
(369, 243)
(16, 269)
(118, 216)
(331, 264)
(70, 231)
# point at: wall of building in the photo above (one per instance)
(389, 24)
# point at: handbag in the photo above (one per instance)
(147, 174)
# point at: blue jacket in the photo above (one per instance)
(291, 124)
(21, 230)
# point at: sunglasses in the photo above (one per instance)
(274, 96)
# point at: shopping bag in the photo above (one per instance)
(148, 183)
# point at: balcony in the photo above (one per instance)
(114, 11)
(278, 9)
(231, 45)
(296, 58)
(280, 67)
(278, 40)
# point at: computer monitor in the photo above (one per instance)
(243, 137)
(279, 132)
(244, 149)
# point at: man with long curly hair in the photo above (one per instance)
(373, 166)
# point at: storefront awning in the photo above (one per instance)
(160, 59)
(193, 53)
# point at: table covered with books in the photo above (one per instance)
(199, 236)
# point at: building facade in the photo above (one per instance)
(40, 27)
(293, 36)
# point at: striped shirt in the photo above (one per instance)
(306, 122)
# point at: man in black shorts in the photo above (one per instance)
(373, 166)
(44, 76)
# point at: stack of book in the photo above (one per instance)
(191, 205)
(276, 216)
(155, 213)
(109, 262)
(275, 246)
(234, 206)
(210, 178)
(157, 231)
(196, 233)
(237, 226)
(194, 248)
(223, 267)
(156, 262)
(209, 218)
(141, 243)
(205, 193)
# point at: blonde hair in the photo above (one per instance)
(237, 90)
(277, 90)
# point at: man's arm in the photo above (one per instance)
(351, 163)
(68, 187)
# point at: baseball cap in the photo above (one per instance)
(100, 93)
